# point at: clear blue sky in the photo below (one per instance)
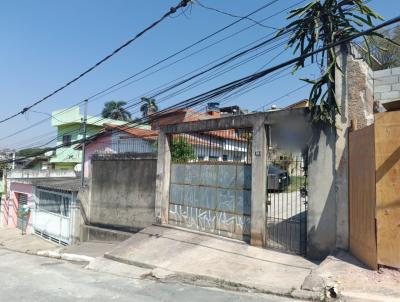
(45, 43)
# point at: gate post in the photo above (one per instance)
(258, 183)
(162, 178)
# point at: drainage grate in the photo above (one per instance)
(50, 238)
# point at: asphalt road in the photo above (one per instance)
(31, 278)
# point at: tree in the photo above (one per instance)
(320, 23)
(115, 110)
(149, 106)
(386, 53)
(30, 152)
(181, 150)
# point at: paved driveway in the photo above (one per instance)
(30, 278)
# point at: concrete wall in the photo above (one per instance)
(320, 141)
(354, 86)
(387, 85)
(27, 173)
(322, 207)
(122, 191)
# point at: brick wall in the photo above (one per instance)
(359, 80)
(387, 85)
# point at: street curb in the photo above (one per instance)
(164, 275)
(65, 256)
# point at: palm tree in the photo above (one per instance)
(321, 23)
(149, 106)
(115, 110)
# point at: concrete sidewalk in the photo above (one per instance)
(12, 239)
(353, 281)
(175, 253)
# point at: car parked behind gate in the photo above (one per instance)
(277, 179)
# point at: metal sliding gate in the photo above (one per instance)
(210, 189)
(286, 204)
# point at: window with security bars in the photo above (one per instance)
(54, 203)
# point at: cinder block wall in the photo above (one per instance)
(387, 85)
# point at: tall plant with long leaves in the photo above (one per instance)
(320, 23)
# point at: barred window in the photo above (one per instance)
(54, 203)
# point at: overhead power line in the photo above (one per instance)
(101, 93)
(182, 4)
(236, 54)
(233, 15)
(221, 90)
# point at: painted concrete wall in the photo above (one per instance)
(67, 157)
(122, 192)
(10, 206)
(117, 142)
(103, 141)
(25, 173)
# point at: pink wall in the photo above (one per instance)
(10, 207)
(99, 144)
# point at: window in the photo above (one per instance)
(54, 203)
(22, 199)
(237, 158)
(225, 157)
(66, 140)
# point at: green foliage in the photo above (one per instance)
(4, 166)
(115, 110)
(181, 150)
(320, 23)
(149, 106)
(30, 152)
(386, 53)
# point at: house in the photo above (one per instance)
(182, 115)
(40, 162)
(42, 202)
(119, 139)
(220, 145)
(69, 129)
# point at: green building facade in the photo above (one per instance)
(69, 129)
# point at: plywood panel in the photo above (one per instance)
(363, 243)
(387, 157)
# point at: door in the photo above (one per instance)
(22, 219)
(286, 205)
(52, 218)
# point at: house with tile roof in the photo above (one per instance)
(69, 129)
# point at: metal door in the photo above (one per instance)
(22, 221)
(52, 216)
(286, 223)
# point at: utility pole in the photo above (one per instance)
(84, 121)
(13, 162)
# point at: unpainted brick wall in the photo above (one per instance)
(360, 91)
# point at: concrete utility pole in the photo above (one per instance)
(13, 162)
(3, 199)
(84, 142)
